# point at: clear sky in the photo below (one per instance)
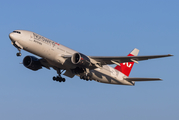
(97, 28)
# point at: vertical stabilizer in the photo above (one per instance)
(126, 68)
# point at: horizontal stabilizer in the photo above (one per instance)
(142, 79)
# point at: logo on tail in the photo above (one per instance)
(126, 67)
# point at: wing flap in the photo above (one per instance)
(142, 79)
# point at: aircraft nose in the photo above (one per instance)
(11, 36)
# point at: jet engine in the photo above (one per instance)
(80, 60)
(32, 63)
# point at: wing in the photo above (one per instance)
(114, 60)
(45, 63)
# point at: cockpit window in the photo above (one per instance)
(17, 32)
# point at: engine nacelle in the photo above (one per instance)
(80, 60)
(32, 63)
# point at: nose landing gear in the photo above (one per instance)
(19, 53)
(19, 47)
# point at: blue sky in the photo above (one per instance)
(97, 28)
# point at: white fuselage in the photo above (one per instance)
(54, 52)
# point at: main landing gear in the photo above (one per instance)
(86, 76)
(59, 77)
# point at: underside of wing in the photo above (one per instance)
(111, 60)
(142, 79)
(45, 63)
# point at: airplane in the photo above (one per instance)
(70, 62)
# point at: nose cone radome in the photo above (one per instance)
(12, 36)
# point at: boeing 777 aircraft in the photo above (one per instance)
(61, 58)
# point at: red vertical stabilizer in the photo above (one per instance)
(126, 68)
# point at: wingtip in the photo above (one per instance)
(170, 55)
